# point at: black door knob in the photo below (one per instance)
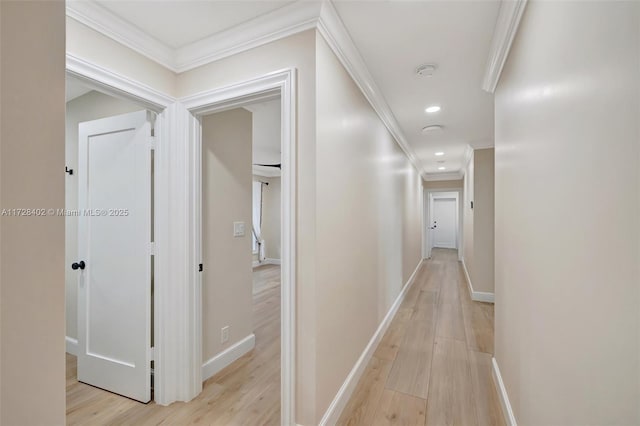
(76, 265)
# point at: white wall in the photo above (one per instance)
(368, 223)
(226, 187)
(567, 215)
(91, 106)
(32, 370)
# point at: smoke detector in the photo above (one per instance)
(426, 70)
(435, 128)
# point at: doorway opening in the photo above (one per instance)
(108, 244)
(241, 278)
(443, 221)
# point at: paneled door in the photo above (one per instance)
(114, 246)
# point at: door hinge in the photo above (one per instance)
(152, 141)
(200, 267)
(151, 353)
(152, 249)
(68, 170)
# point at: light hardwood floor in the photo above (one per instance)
(433, 366)
(245, 393)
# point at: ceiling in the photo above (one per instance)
(178, 23)
(455, 35)
(393, 38)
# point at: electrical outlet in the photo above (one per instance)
(224, 334)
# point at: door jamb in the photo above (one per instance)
(427, 219)
(261, 88)
(123, 87)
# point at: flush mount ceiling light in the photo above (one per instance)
(432, 109)
(439, 154)
(442, 168)
(426, 70)
(432, 129)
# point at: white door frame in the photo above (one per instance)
(282, 83)
(170, 349)
(428, 195)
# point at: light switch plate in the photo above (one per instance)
(238, 229)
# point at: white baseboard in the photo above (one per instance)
(71, 345)
(256, 263)
(334, 411)
(478, 296)
(507, 412)
(226, 357)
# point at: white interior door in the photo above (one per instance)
(444, 223)
(114, 294)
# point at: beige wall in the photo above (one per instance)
(468, 246)
(90, 45)
(367, 223)
(442, 184)
(32, 373)
(91, 106)
(483, 220)
(297, 51)
(567, 215)
(478, 223)
(226, 187)
(271, 197)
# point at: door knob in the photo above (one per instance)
(76, 265)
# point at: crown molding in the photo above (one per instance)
(283, 22)
(333, 30)
(111, 25)
(277, 24)
(505, 31)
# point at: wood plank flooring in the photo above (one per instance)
(433, 366)
(245, 393)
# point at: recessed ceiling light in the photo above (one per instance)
(432, 129)
(433, 108)
(439, 154)
(442, 168)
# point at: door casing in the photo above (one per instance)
(428, 196)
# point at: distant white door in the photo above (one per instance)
(444, 223)
(114, 294)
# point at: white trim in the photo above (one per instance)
(341, 399)
(280, 23)
(71, 345)
(478, 296)
(332, 29)
(270, 261)
(116, 84)
(177, 292)
(277, 24)
(282, 83)
(428, 192)
(507, 411)
(226, 357)
(111, 25)
(505, 31)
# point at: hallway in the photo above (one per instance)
(433, 366)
